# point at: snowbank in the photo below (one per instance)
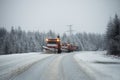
(99, 65)
(12, 65)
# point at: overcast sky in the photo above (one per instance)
(43, 15)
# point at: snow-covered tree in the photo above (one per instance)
(19, 41)
(51, 34)
(3, 33)
(113, 36)
(90, 41)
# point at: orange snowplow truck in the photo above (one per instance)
(67, 47)
(53, 45)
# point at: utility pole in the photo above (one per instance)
(70, 30)
(71, 36)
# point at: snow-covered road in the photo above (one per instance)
(14, 64)
(66, 66)
(57, 67)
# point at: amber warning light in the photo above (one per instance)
(46, 40)
(58, 40)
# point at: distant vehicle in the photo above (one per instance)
(67, 47)
(55, 45)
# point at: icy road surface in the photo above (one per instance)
(66, 66)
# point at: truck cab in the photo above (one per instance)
(53, 45)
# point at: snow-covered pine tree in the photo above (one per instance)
(113, 36)
(3, 33)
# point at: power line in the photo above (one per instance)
(70, 29)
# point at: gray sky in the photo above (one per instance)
(43, 15)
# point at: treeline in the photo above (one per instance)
(19, 41)
(86, 41)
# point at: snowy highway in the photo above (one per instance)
(66, 66)
(57, 67)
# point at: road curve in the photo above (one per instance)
(56, 67)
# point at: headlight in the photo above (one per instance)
(46, 40)
(58, 40)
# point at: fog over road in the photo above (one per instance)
(55, 67)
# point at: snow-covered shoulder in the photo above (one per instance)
(100, 62)
(13, 64)
(96, 56)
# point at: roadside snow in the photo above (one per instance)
(11, 65)
(99, 65)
